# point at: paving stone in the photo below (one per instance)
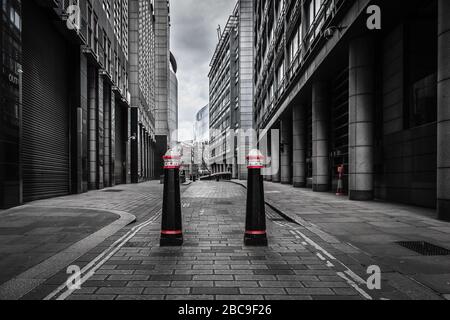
(215, 291)
(118, 290)
(148, 284)
(310, 291)
(238, 297)
(140, 297)
(166, 291)
(281, 284)
(263, 291)
(215, 277)
(192, 283)
(236, 284)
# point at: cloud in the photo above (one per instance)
(193, 41)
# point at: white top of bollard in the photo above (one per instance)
(255, 159)
(172, 159)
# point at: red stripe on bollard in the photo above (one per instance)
(255, 233)
(171, 232)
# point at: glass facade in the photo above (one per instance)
(10, 102)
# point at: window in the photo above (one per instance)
(107, 8)
(423, 101)
(313, 10)
(421, 78)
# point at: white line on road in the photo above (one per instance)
(356, 279)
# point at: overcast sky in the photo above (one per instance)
(193, 41)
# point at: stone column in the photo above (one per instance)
(320, 159)
(299, 146)
(92, 127)
(285, 152)
(100, 133)
(275, 155)
(107, 136)
(361, 123)
(264, 151)
(269, 154)
(113, 140)
(135, 146)
(443, 152)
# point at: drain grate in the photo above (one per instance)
(113, 191)
(424, 248)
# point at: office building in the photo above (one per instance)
(362, 84)
(231, 93)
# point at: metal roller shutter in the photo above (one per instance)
(45, 149)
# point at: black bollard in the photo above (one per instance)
(255, 224)
(171, 221)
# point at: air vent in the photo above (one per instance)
(424, 248)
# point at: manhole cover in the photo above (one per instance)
(424, 248)
(113, 190)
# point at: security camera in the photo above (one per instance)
(329, 32)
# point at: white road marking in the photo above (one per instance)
(321, 257)
(89, 269)
(356, 279)
(355, 286)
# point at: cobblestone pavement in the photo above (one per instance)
(367, 234)
(213, 263)
(40, 238)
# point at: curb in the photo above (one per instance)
(299, 221)
(24, 283)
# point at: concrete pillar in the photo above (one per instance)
(269, 154)
(134, 146)
(361, 114)
(320, 159)
(100, 133)
(275, 155)
(107, 137)
(299, 146)
(443, 152)
(264, 151)
(285, 152)
(92, 128)
(113, 140)
(234, 168)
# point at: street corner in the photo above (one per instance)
(37, 241)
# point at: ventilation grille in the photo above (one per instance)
(424, 248)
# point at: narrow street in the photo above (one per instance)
(302, 262)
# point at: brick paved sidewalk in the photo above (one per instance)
(213, 263)
(367, 232)
(39, 239)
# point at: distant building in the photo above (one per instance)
(172, 113)
(164, 117)
(142, 89)
(201, 139)
(231, 92)
(201, 125)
